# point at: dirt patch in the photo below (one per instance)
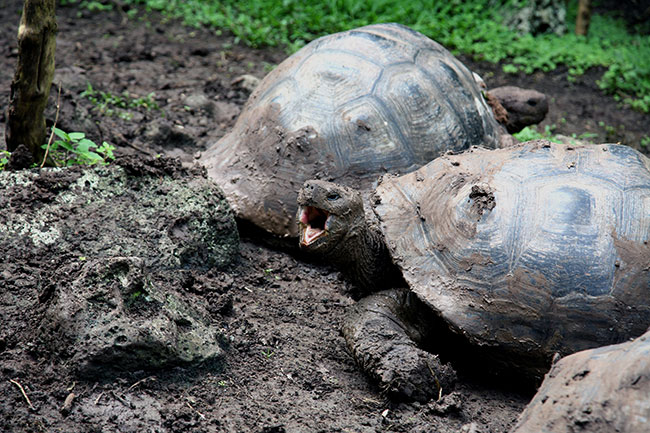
(285, 367)
(482, 199)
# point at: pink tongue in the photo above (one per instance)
(304, 218)
(311, 233)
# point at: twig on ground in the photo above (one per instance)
(121, 400)
(22, 390)
(56, 118)
(101, 394)
(141, 381)
(190, 406)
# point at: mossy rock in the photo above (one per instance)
(152, 210)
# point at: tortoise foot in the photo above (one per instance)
(409, 373)
(383, 340)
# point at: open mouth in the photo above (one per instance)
(312, 224)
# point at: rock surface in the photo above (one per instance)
(116, 316)
(144, 210)
(118, 307)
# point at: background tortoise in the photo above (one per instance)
(348, 107)
(526, 251)
(598, 390)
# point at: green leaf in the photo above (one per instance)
(61, 134)
(64, 144)
(84, 145)
(93, 157)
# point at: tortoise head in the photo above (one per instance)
(328, 214)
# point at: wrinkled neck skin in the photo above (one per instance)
(367, 261)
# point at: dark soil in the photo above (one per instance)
(286, 365)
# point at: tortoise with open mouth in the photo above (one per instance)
(516, 254)
(349, 107)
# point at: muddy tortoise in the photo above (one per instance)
(515, 254)
(348, 107)
(594, 391)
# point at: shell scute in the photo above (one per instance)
(515, 245)
(381, 98)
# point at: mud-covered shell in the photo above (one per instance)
(540, 248)
(347, 107)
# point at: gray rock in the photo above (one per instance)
(539, 16)
(115, 316)
(246, 82)
(126, 238)
(168, 222)
(198, 101)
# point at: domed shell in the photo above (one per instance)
(540, 248)
(347, 108)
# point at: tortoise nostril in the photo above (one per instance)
(532, 102)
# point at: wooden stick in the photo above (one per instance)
(141, 381)
(101, 394)
(22, 390)
(56, 118)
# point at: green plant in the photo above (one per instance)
(585, 136)
(4, 158)
(91, 5)
(531, 133)
(75, 149)
(268, 353)
(109, 104)
(645, 141)
(472, 27)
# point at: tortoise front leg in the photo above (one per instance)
(383, 332)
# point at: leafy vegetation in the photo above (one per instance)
(75, 149)
(464, 26)
(4, 159)
(109, 104)
(645, 141)
(531, 133)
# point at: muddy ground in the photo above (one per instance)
(286, 368)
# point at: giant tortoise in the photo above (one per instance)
(519, 253)
(348, 107)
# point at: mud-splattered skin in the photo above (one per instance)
(525, 252)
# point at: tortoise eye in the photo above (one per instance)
(333, 196)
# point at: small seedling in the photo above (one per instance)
(4, 158)
(531, 133)
(645, 141)
(222, 383)
(268, 353)
(109, 104)
(586, 136)
(75, 149)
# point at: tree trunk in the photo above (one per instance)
(583, 18)
(30, 87)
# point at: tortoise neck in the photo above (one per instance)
(366, 260)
